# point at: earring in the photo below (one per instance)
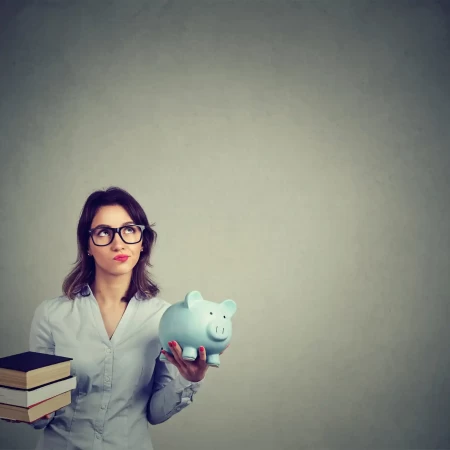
(89, 254)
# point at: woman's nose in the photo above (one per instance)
(117, 241)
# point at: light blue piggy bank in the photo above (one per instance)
(195, 322)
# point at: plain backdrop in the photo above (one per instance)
(294, 157)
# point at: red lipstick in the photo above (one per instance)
(121, 258)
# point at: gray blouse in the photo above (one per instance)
(122, 387)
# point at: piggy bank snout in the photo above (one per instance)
(219, 330)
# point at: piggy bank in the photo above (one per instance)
(195, 322)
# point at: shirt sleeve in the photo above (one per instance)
(170, 393)
(41, 340)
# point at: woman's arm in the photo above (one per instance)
(41, 340)
(170, 393)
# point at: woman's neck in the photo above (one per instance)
(108, 290)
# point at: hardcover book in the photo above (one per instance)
(28, 397)
(28, 370)
(37, 411)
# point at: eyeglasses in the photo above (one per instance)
(130, 234)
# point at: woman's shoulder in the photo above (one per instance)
(50, 301)
(52, 304)
(155, 304)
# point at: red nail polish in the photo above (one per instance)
(202, 349)
(170, 344)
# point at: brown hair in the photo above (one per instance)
(83, 273)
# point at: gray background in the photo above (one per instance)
(295, 158)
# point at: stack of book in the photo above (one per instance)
(34, 384)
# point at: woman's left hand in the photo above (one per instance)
(193, 371)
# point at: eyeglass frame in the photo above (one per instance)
(118, 231)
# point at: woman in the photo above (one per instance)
(107, 321)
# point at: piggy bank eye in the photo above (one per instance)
(224, 317)
(211, 313)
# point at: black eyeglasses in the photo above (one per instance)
(130, 234)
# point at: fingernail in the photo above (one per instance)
(170, 344)
(202, 349)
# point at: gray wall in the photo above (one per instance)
(294, 156)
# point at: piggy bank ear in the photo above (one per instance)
(229, 306)
(192, 298)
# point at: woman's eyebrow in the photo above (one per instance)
(109, 226)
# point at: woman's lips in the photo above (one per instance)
(121, 258)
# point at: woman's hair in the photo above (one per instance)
(84, 271)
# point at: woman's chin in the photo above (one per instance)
(124, 269)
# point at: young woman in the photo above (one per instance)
(107, 321)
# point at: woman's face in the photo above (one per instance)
(113, 216)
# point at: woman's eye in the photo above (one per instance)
(99, 232)
(129, 230)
